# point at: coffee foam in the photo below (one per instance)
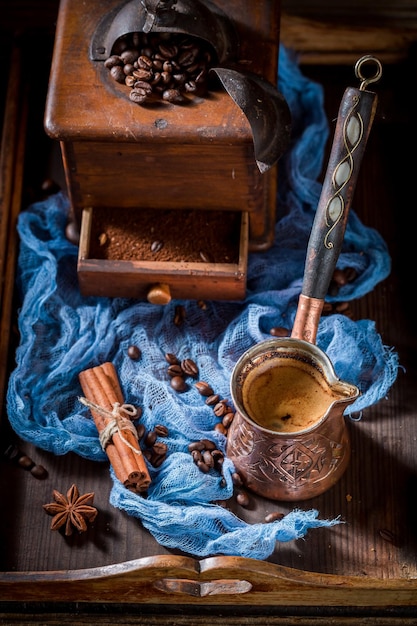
(286, 394)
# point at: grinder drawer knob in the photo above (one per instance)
(159, 294)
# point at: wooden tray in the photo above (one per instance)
(365, 568)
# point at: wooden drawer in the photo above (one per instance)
(159, 281)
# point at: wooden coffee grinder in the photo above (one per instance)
(168, 109)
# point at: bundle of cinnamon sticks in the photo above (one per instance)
(104, 397)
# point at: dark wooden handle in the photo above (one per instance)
(356, 114)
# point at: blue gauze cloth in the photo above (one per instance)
(63, 333)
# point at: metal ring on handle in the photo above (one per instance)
(368, 58)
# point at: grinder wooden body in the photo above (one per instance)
(121, 155)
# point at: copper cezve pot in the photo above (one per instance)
(289, 439)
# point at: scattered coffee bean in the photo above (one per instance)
(339, 277)
(179, 315)
(147, 453)
(236, 479)
(140, 430)
(171, 358)
(38, 471)
(228, 419)
(12, 452)
(196, 445)
(222, 503)
(218, 457)
(341, 307)
(204, 389)
(242, 498)
(220, 429)
(49, 187)
(388, 535)
(150, 438)
(273, 517)
(156, 460)
(26, 462)
(138, 415)
(197, 456)
(160, 448)
(220, 409)
(203, 467)
(189, 367)
(134, 353)
(72, 232)
(156, 246)
(174, 370)
(213, 399)
(279, 331)
(179, 384)
(207, 458)
(161, 430)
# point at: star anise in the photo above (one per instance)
(72, 511)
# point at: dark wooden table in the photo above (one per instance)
(364, 571)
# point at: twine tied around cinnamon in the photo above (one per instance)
(120, 419)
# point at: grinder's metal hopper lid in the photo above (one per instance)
(200, 18)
